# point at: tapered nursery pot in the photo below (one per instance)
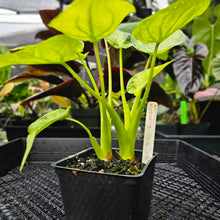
(102, 196)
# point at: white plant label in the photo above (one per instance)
(149, 132)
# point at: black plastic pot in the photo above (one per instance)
(186, 180)
(211, 115)
(208, 143)
(192, 129)
(93, 195)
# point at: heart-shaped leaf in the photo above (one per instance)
(175, 39)
(55, 50)
(159, 26)
(139, 80)
(189, 70)
(93, 20)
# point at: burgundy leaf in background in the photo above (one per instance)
(157, 94)
(28, 76)
(59, 68)
(47, 16)
(70, 89)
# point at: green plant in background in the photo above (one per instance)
(185, 76)
(196, 66)
(206, 29)
(93, 20)
(10, 93)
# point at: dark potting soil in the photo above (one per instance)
(115, 166)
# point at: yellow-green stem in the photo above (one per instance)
(211, 49)
(150, 79)
(124, 102)
(138, 95)
(100, 71)
(109, 74)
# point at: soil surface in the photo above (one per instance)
(116, 165)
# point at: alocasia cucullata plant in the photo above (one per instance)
(93, 20)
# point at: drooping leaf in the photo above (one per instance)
(55, 50)
(70, 89)
(36, 127)
(159, 26)
(177, 38)
(189, 70)
(93, 20)
(139, 80)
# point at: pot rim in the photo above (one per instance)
(57, 166)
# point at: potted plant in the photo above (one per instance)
(93, 20)
(194, 75)
(63, 87)
(183, 80)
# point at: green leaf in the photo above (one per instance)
(36, 127)
(19, 93)
(216, 67)
(5, 72)
(209, 34)
(56, 50)
(120, 39)
(139, 80)
(159, 26)
(205, 32)
(217, 11)
(175, 39)
(91, 20)
(128, 26)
